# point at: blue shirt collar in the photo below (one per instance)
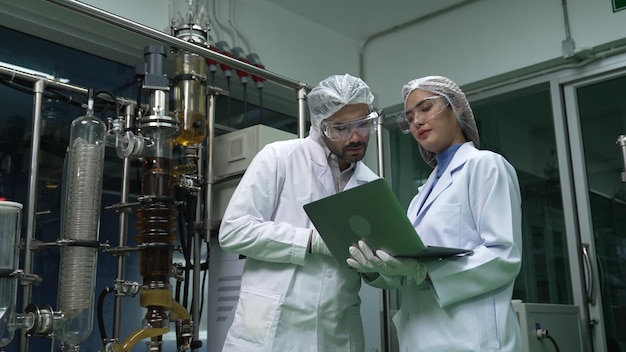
(444, 158)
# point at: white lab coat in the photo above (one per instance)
(289, 300)
(476, 204)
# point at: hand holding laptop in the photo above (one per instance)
(317, 245)
(364, 260)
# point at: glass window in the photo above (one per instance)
(519, 125)
(602, 121)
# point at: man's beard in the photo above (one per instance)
(348, 156)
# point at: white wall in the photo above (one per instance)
(151, 13)
(485, 39)
(294, 46)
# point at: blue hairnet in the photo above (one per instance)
(335, 92)
(444, 87)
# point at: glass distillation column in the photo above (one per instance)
(190, 88)
(190, 97)
(83, 191)
(157, 220)
(189, 82)
(190, 109)
(157, 214)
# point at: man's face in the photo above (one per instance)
(349, 137)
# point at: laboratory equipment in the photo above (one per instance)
(83, 191)
(10, 225)
(190, 77)
(549, 327)
(157, 215)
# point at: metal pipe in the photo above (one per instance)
(386, 300)
(621, 141)
(301, 112)
(14, 74)
(209, 178)
(379, 144)
(197, 238)
(566, 20)
(123, 227)
(568, 45)
(148, 32)
(38, 90)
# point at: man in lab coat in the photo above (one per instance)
(294, 295)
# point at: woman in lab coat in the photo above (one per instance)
(471, 200)
(294, 295)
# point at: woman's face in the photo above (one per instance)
(432, 121)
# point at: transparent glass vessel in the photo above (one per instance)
(190, 98)
(83, 191)
(10, 225)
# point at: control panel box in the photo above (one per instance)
(562, 323)
(234, 151)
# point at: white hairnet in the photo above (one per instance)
(444, 87)
(335, 92)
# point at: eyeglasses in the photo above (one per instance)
(342, 131)
(424, 111)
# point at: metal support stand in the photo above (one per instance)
(621, 141)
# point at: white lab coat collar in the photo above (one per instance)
(433, 187)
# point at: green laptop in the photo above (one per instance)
(371, 212)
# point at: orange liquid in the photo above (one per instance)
(192, 129)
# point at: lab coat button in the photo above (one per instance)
(329, 275)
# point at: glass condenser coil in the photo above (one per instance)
(83, 192)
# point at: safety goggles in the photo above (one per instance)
(424, 111)
(342, 131)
